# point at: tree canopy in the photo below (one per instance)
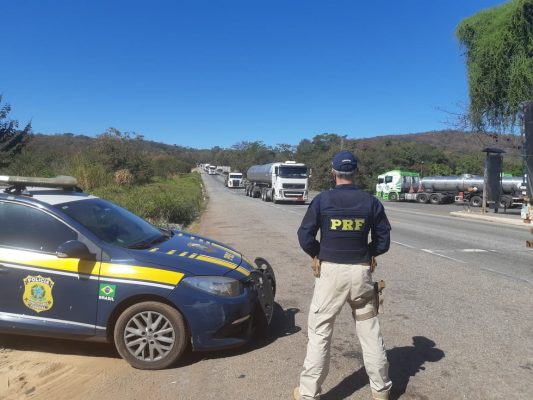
(11, 139)
(498, 45)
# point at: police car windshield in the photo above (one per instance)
(292, 172)
(112, 224)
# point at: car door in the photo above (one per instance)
(38, 290)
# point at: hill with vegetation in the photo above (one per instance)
(113, 155)
(151, 179)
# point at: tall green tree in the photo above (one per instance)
(498, 44)
(11, 138)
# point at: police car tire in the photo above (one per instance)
(175, 319)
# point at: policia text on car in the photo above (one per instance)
(343, 261)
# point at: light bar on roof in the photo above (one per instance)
(57, 182)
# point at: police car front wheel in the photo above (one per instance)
(150, 335)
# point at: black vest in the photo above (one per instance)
(347, 216)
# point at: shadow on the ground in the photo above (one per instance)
(283, 324)
(405, 362)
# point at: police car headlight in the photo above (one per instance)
(219, 285)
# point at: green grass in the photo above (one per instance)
(176, 200)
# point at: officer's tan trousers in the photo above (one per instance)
(338, 284)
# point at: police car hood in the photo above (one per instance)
(193, 254)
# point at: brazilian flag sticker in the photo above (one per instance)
(107, 292)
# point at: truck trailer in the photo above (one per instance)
(398, 185)
(279, 181)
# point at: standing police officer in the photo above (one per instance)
(342, 262)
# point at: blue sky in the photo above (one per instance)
(203, 73)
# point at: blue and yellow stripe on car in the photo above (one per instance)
(18, 259)
(216, 261)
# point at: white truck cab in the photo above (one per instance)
(234, 180)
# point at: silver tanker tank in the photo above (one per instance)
(466, 182)
(260, 173)
(512, 184)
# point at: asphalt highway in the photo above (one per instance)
(458, 307)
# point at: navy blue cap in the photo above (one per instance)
(344, 161)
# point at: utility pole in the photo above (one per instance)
(527, 146)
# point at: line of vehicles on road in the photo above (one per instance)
(278, 181)
(289, 182)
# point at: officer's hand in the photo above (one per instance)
(373, 264)
(316, 267)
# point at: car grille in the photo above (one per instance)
(294, 186)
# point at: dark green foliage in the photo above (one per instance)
(11, 139)
(120, 151)
(94, 161)
(174, 200)
(498, 46)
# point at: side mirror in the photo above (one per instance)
(74, 249)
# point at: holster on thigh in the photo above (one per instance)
(372, 306)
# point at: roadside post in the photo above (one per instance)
(492, 180)
(527, 141)
(527, 146)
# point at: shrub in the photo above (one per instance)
(177, 200)
(123, 177)
(89, 173)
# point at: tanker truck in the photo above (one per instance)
(398, 185)
(279, 181)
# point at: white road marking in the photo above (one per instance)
(403, 244)
(473, 250)
(507, 275)
(443, 256)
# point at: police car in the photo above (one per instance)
(75, 266)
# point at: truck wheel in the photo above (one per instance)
(393, 196)
(506, 202)
(269, 195)
(434, 199)
(263, 195)
(422, 198)
(476, 201)
(150, 335)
